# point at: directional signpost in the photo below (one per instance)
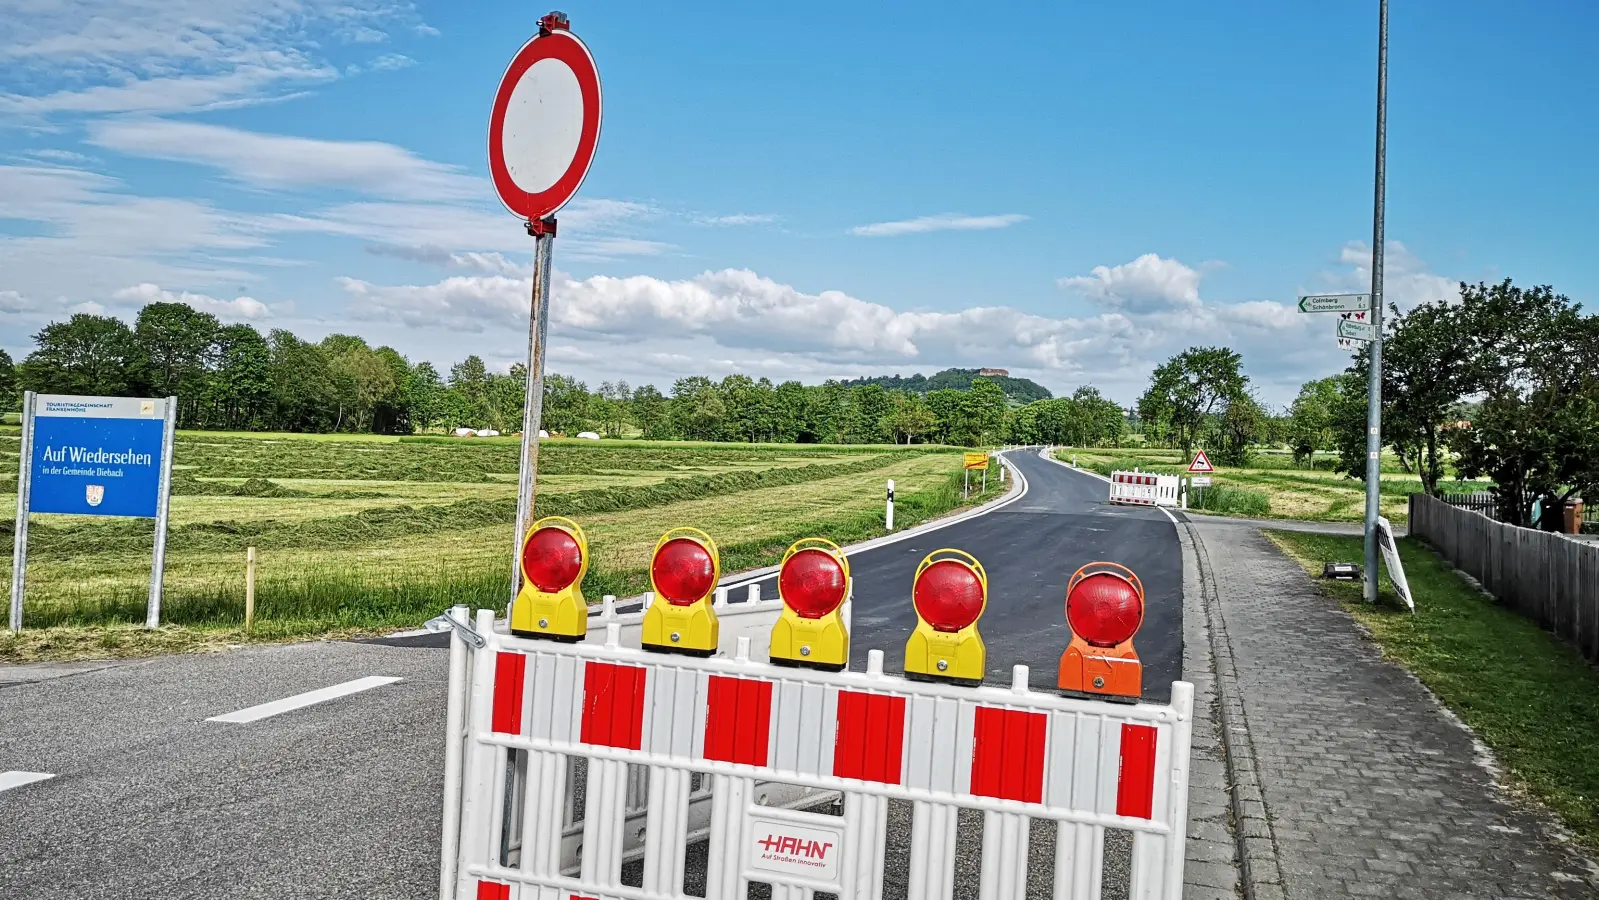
(1315, 303)
(94, 456)
(543, 131)
(1358, 331)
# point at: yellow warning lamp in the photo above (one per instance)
(949, 593)
(683, 572)
(813, 581)
(1104, 607)
(555, 556)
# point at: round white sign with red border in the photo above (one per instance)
(545, 125)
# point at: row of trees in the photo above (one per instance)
(233, 377)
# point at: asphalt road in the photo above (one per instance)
(149, 799)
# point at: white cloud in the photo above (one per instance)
(90, 237)
(488, 263)
(942, 222)
(738, 309)
(280, 161)
(1145, 285)
(247, 308)
(103, 56)
(240, 86)
(736, 219)
(1407, 280)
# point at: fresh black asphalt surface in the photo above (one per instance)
(342, 798)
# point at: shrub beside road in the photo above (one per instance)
(362, 534)
(1529, 697)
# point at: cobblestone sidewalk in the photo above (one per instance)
(1368, 787)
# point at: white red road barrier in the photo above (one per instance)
(671, 726)
(1144, 489)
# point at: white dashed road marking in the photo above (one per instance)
(299, 701)
(9, 780)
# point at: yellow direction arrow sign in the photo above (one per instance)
(977, 460)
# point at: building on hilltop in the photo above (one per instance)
(1005, 373)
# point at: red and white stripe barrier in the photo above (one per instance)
(521, 710)
(1144, 489)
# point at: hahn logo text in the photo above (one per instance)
(787, 845)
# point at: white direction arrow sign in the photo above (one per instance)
(1359, 331)
(1334, 302)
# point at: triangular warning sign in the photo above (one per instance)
(1201, 463)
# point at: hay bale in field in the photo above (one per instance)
(588, 435)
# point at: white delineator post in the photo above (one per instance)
(888, 516)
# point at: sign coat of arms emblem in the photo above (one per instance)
(94, 493)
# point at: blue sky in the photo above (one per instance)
(1073, 191)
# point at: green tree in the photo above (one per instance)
(176, 347)
(1310, 419)
(86, 354)
(1240, 425)
(697, 409)
(239, 390)
(1536, 361)
(650, 412)
(986, 408)
(8, 383)
(909, 418)
(1188, 389)
(423, 393)
(566, 405)
(305, 396)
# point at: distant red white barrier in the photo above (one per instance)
(1144, 489)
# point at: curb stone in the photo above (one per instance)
(1259, 869)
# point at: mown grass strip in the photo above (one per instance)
(324, 604)
(1530, 697)
(384, 523)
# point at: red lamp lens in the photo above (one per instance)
(552, 559)
(683, 571)
(1104, 609)
(948, 595)
(812, 583)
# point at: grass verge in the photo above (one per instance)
(1531, 698)
(323, 603)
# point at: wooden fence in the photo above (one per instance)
(1547, 577)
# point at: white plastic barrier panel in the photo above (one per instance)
(682, 723)
(1144, 489)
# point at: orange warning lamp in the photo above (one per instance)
(813, 582)
(683, 572)
(555, 556)
(950, 593)
(1104, 607)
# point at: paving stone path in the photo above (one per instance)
(1366, 786)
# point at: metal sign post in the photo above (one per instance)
(1374, 387)
(95, 456)
(543, 231)
(19, 549)
(543, 131)
(158, 567)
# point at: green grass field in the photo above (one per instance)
(1531, 698)
(373, 534)
(1272, 485)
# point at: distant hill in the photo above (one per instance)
(1021, 390)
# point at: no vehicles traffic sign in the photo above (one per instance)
(545, 124)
